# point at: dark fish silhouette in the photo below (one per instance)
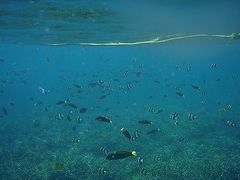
(36, 124)
(83, 110)
(126, 133)
(153, 131)
(218, 79)
(11, 104)
(159, 111)
(104, 119)
(196, 87)
(77, 86)
(60, 102)
(4, 110)
(103, 96)
(116, 80)
(65, 102)
(68, 117)
(72, 105)
(120, 155)
(145, 122)
(180, 94)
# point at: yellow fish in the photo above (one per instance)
(134, 104)
(57, 166)
(103, 135)
(221, 110)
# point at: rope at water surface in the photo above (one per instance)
(157, 40)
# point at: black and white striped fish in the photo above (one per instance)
(136, 135)
(104, 150)
(151, 109)
(68, 116)
(192, 116)
(174, 116)
(181, 139)
(156, 158)
(76, 140)
(144, 171)
(140, 160)
(129, 86)
(102, 171)
(78, 119)
(214, 65)
(28, 177)
(59, 116)
(230, 123)
(100, 82)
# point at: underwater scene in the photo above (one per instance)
(119, 90)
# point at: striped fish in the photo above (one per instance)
(136, 135)
(59, 116)
(151, 109)
(104, 150)
(192, 116)
(230, 123)
(174, 116)
(28, 177)
(76, 140)
(156, 158)
(144, 172)
(140, 160)
(102, 171)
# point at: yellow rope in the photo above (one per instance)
(155, 40)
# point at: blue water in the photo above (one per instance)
(124, 83)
